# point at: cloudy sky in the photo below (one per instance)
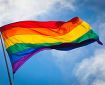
(81, 66)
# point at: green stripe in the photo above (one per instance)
(22, 46)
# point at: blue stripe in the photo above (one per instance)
(15, 57)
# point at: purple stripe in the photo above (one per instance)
(21, 61)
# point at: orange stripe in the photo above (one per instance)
(65, 28)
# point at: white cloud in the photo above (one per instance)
(68, 4)
(99, 82)
(92, 70)
(15, 10)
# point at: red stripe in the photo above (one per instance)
(36, 24)
(33, 24)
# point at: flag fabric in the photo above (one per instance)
(25, 38)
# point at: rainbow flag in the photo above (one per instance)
(25, 38)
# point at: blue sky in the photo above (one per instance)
(81, 66)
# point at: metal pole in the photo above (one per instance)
(9, 77)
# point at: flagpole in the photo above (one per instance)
(9, 77)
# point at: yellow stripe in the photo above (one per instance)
(35, 39)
